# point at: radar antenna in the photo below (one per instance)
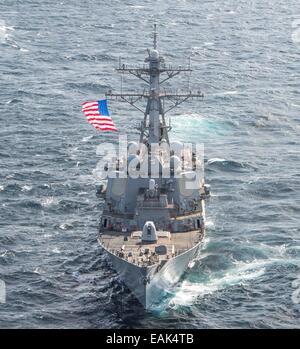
(155, 38)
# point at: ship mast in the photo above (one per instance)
(153, 128)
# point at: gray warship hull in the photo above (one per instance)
(149, 284)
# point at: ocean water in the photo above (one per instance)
(246, 59)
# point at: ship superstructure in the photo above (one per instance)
(152, 224)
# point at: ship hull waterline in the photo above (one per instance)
(149, 283)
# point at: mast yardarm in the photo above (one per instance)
(154, 73)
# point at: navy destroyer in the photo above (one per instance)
(153, 222)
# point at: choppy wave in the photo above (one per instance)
(228, 165)
(191, 292)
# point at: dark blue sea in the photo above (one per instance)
(55, 55)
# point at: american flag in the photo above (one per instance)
(97, 114)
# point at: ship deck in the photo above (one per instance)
(135, 251)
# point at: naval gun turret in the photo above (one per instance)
(149, 232)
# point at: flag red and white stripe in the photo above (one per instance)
(100, 120)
